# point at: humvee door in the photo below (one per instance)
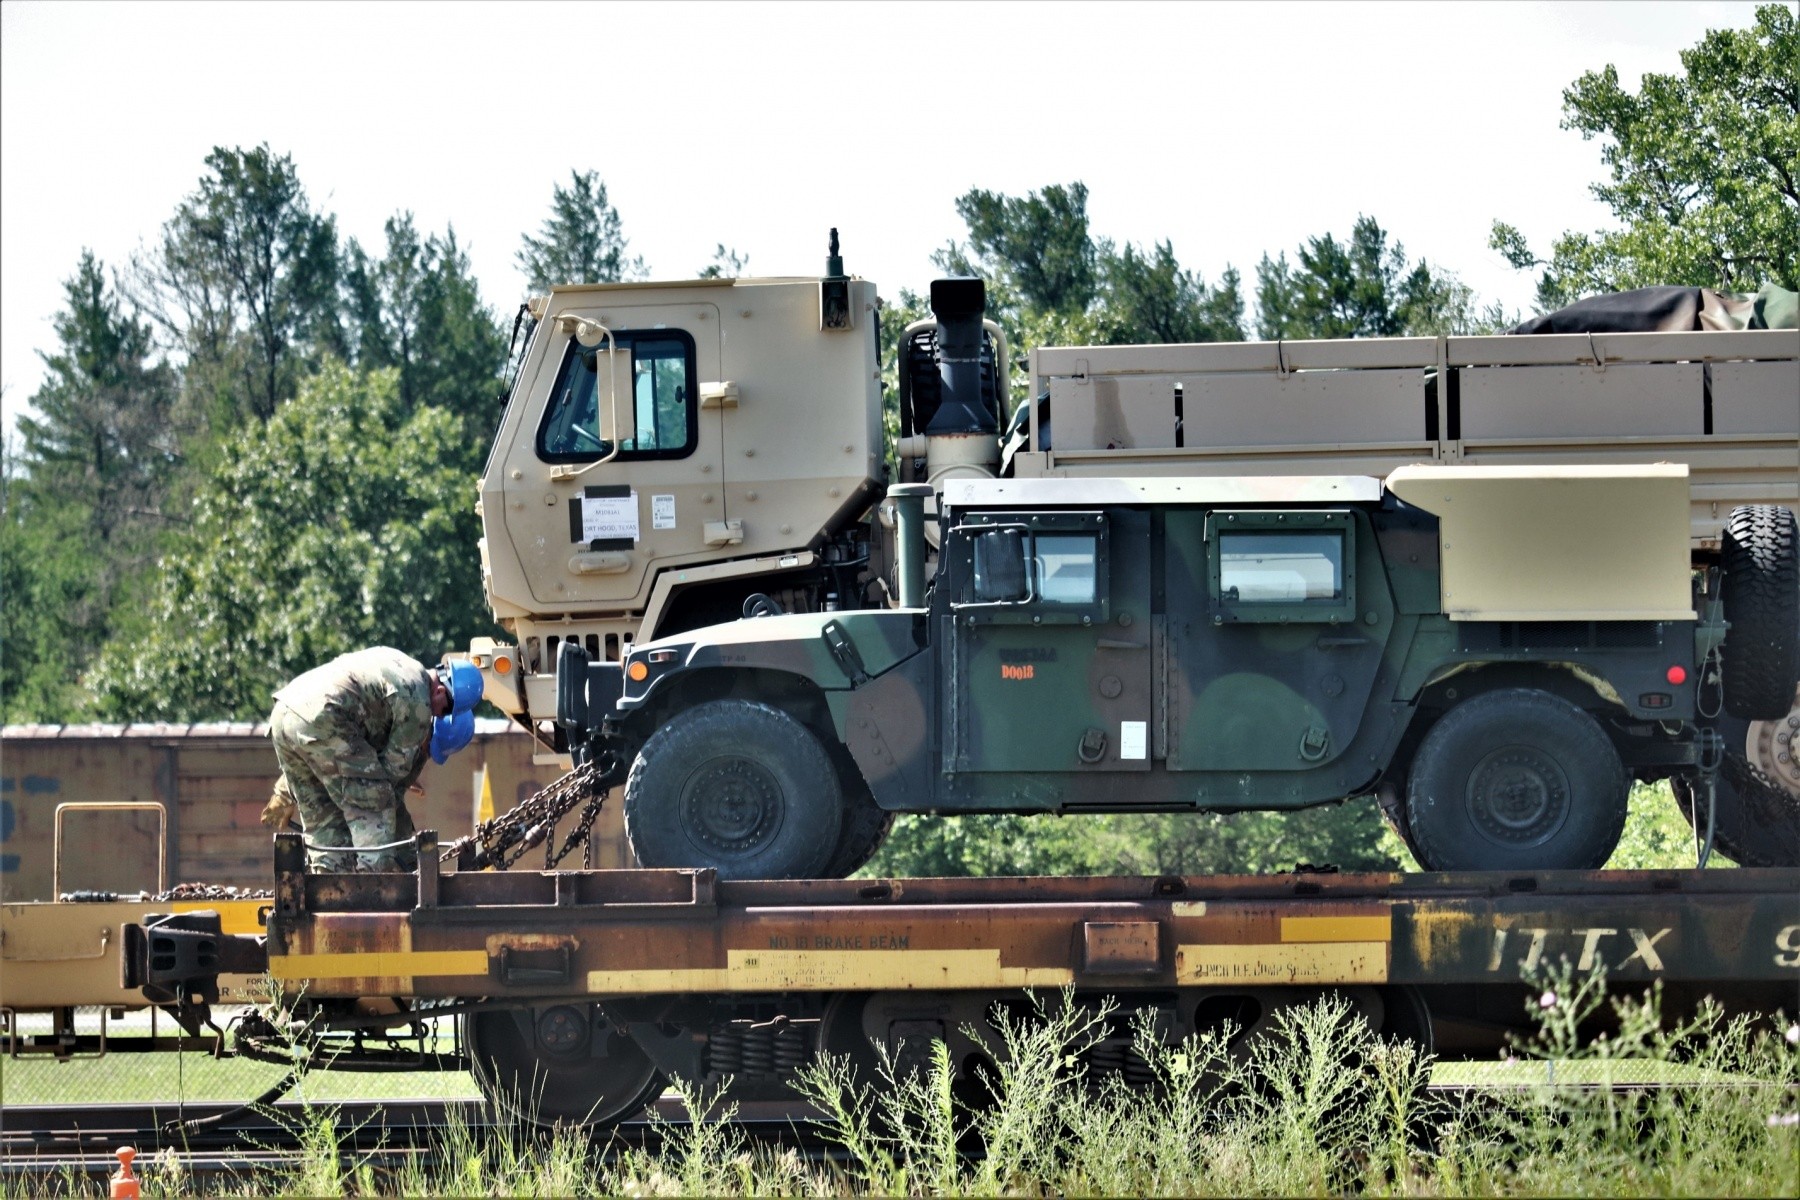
(1278, 624)
(1049, 656)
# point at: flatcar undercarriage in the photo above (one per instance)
(575, 996)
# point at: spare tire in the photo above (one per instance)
(1760, 562)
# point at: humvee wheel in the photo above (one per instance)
(1516, 780)
(555, 1074)
(866, 826)
(1756, 799)
(737, 786)
(1760, 565)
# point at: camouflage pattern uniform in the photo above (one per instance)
(351, 738)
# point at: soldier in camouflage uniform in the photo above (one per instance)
(351, 737)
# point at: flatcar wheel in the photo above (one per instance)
(563, 1065)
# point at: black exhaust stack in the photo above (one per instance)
(967, 401)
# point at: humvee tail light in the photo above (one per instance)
(638, 672)
(1676, 675)
(502, 666)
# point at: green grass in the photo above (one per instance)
(1319, 1107)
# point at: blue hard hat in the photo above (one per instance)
(450, 734)
(462, 679)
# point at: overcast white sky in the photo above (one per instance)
(1230, 129)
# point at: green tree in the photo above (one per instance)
(1362, 287)
(1150, 298)
(1050, 282)
(727, 263)
(1703, 171)
(384, 299)
(419, 311)
(465, 358)
(1039, 245)
(581, 241)
(245, 280)
(85, 499)
(1348, 836)
(341, 522)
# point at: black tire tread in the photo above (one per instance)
(1432, 849)
(1760, 561)
(866, 827)
(725, 716)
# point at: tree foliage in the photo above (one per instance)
(1703, 171)
(1348, 836)
(1361, 287)
(245, 280)
(85, 501)
(419, 311)
(1051, 282)
(341, 522)
(726, 263)
(581, 241)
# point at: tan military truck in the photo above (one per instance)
(672, 451)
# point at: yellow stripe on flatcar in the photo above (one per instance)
(235, 916)
(831, 970)
(1337, 929)
(375, 964)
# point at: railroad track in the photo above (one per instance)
(223, 1138)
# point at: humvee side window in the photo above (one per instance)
(1282, 566)
(660, 366)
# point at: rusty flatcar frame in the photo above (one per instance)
(606, 982)
(1468, 944)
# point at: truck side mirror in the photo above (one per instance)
(1000, 567)
(615, 394)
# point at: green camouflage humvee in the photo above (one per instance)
(1491, 653)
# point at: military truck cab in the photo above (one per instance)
(649, 462)
(1496, 652)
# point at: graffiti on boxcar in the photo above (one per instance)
(8, 862)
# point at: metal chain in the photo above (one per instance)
(212, 891)
(504, 840)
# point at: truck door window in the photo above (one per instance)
(1282, 566)
(660, 367)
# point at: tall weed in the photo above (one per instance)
(1313, 1104)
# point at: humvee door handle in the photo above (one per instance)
(1326, 643)
(1116, 644)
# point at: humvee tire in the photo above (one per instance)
(738, 786)
(1516, 779)
(866, 826)
(1760, 562)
